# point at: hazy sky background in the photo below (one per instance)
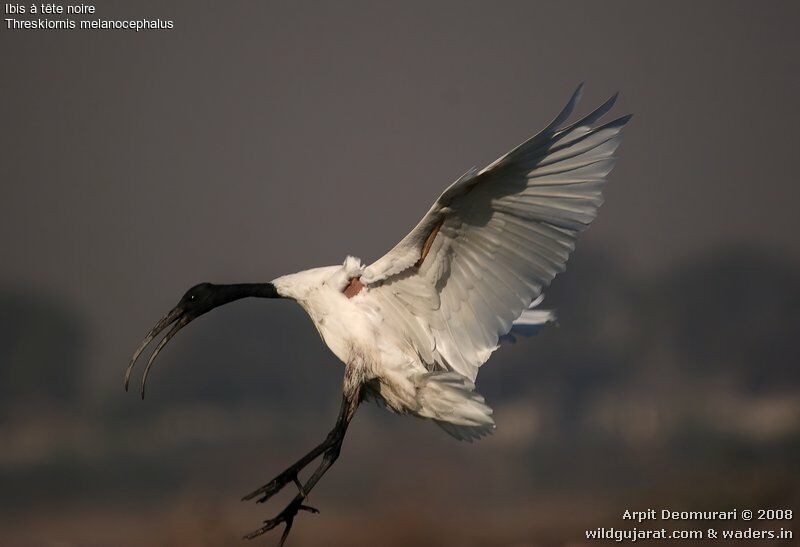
(261, 138)
(257, 139)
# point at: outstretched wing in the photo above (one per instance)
(493, 240)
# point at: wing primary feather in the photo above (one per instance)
(592, 117)
(545, 133)
(617, 123)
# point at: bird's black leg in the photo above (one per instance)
(330, 449)
(290, 474)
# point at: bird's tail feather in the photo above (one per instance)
(450, 400)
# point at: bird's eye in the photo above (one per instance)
(192, 297)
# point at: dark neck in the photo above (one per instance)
(229, 293)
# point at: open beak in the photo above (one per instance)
(178, 318)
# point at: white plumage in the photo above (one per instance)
(415, 326)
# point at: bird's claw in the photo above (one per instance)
(275, 485)
(285, 517)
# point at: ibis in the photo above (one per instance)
(414, 327)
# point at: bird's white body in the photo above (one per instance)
(340, 321)
(380, 356)
(415, 326)
(355, 331)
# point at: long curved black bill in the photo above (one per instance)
(176, 314)
(182, 322)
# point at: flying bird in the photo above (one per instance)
(414, 327)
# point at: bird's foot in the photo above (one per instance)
(285, 517)
(276, 485)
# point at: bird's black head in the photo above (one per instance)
(200, 299)
(197, 301)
